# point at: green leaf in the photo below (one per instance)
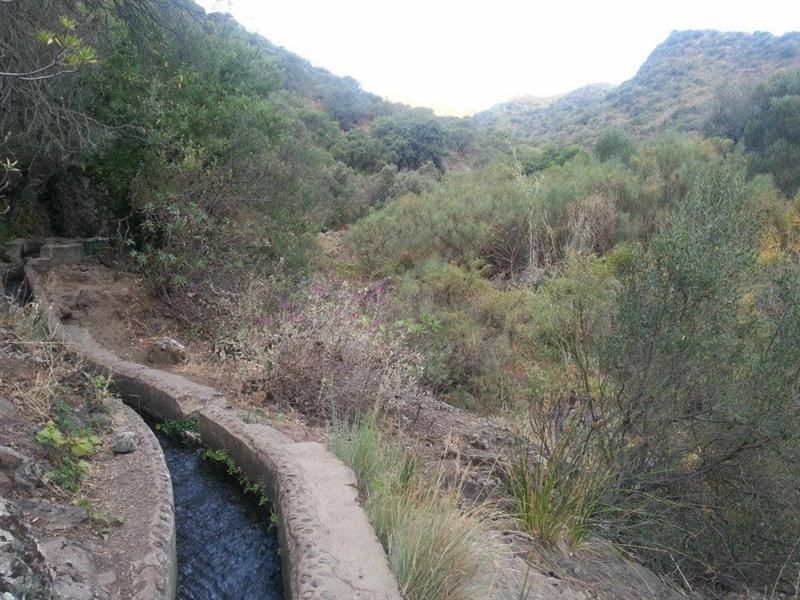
(50, 435)
(67, 23)
(73, 42)
(81, 446)
(45, 37)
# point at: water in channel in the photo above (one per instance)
(226, 548)
(16, 289)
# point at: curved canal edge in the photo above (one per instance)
(329, 550)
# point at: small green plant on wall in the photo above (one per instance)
(176, 427)
(221, 457)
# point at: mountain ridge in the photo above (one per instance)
(673, 89)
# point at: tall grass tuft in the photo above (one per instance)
(437, 549)
(557, 495)
(553, 505)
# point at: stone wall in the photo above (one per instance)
(54, 251)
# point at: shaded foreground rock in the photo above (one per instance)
(22, 566)
(48, 569)
(20, 468)
(51, 516)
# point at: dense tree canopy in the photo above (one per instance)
(766, 119)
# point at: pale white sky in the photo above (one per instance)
(459, 57)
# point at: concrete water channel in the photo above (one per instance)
(226, 547)
(328, 549)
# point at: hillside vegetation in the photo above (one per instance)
(204, 146)
(674, 88)
(613, 274)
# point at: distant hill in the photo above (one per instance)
(341, 97)
(674, 88)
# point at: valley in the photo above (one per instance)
(552, 343)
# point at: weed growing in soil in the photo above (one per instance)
(69, 473)
(66, 453)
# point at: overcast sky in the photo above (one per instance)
(459, 57)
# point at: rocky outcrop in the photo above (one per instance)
(22, 566)
(50, 568)
(22, 469)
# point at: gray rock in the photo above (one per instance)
(22, 469)
(52, 517)
(74, 568)
(166, 351)
(10, 459)
(125, 442)
(30, 473)
(7, 407)
(23, 573)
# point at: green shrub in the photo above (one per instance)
(614, 144)
(176, 427)
(704, 363)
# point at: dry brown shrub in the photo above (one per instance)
(592, 225)
(51, 372)
(329, 355)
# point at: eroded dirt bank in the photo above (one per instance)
(98, 526)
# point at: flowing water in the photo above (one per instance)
(226, 549)
(16, 289)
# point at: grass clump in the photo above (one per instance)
(554, 499)
(437, 549)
